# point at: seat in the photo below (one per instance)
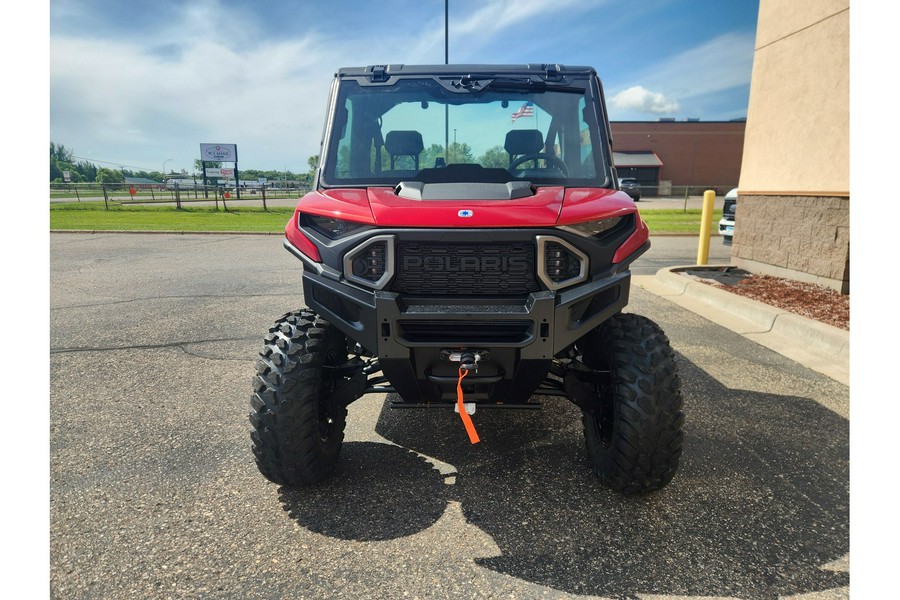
(404, 143)
(520, 142)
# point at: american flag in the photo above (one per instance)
(527, 110)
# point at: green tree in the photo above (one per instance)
(495, 157)
(429, 155)
(343, 162)
(74, 175)
(105, 175)
(59, 155)
(87, 170)
(460, 153)
(198, 166)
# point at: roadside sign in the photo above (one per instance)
(216, 172)
(218, 152)
(67, 176)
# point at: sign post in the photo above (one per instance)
(67, 177)
(221, 153)
(262, 183)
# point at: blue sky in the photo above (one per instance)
(138, 83)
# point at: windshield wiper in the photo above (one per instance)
(511, 84)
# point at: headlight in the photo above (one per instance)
(595, 228)
(330, 227)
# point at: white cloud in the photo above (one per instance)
(721, 63)
(210, 73)
(500, 14)
(482, 26)
(640, 99)
(685, 81)
(141, 105)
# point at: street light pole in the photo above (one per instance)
(446, 61)
(164, 169)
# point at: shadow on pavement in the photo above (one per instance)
(760, 503)
(378, 492)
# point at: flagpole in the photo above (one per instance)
(446, 62)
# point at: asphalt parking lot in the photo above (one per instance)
(154, 493)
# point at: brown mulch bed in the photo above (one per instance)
(805, 299)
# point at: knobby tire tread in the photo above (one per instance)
(646, 440)
(285, 434)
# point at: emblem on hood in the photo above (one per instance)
(465, 213)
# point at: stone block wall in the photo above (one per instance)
(806, 238)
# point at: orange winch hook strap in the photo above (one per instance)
(466, 419)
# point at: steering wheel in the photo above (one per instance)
(550, 158)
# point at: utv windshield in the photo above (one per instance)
(436, 130)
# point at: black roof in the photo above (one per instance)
(463, 69)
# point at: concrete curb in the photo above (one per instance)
(816, 345)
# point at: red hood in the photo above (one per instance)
(549, 207)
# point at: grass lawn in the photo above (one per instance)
(92, 216)
(676, 220)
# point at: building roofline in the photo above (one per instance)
(681, 122)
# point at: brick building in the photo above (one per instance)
(700, 154)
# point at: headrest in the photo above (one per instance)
(399, 143)
(524, 141)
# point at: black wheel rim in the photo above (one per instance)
(603, 415)
(325, 411)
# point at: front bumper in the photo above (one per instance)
(726, 230)
(521, 335)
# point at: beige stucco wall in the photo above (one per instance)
(793, 215)
(798, 119)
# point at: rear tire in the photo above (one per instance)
(633, 431)
(297, 433)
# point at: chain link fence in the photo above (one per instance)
(112, 194)
(257, 195)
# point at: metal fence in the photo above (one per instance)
(683, 191)
(278, 195)
(112, 194)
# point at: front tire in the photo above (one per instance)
(633, 431)
(297, 433)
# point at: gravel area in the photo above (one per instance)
(805, 299)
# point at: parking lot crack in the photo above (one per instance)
(180, 345)
(176, 297)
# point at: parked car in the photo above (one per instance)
(726, 224)
(631, 187)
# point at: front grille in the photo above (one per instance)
(490, 269)
(457, 332)
(728, 209)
